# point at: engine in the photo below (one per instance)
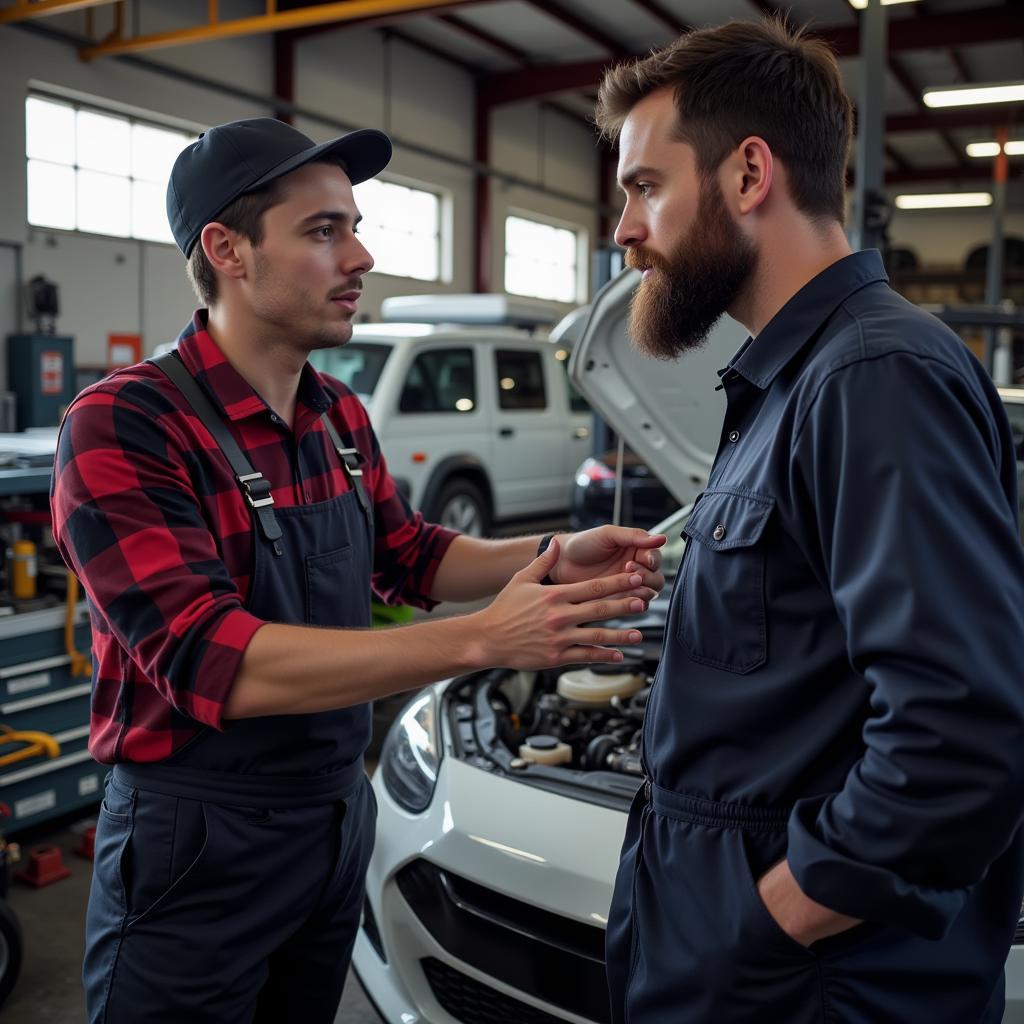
(588, 719)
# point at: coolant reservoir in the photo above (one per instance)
(585, 686)
(545, 750)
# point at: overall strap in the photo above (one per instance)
(255, 488)
(351, 463)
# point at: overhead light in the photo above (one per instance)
(942, 200)
(861, 5)
(963, 96)
(1015, 148)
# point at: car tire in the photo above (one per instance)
(10, 950)
(462, 506)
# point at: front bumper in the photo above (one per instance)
(528, 873)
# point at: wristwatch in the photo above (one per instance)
(545, 543)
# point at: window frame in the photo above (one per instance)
(108, 108)
(445, 205)
(582, 238)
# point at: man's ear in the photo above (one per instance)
(752, 169)
(223, 248)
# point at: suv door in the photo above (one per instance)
(527, 460)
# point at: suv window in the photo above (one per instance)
(355, 364)
(442, 380)
(520, 380)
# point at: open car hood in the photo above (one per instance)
(669, 413)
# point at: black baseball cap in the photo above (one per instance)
(242, 156)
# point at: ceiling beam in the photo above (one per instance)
(667, 18)
(957, 117)
(364, 13)
(983, 25)
(897, 158)
(580, 26)
(502, 46)
(24, 11)
(981, 173)
(433, 51)
(938, 32)
(910, 87)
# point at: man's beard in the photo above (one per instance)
(677, 304)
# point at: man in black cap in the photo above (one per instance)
(219, 501)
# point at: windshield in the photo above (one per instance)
(357, 364)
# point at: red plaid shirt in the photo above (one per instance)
(148, 515)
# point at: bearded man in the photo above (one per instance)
(830, 825)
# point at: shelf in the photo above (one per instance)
(25, 481)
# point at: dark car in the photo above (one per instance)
(645, 499)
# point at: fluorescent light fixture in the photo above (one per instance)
(1015, 148)
(861, 5)
(943, 200)
(963, 96)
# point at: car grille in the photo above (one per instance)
(551, 957)
(469, 1001)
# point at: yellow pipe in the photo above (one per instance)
(81, 664)
(37, 743)
(300, 17)
(23, 12)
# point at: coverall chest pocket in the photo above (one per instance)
(722, 607)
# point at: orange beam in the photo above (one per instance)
(272, 21)
(22, 11)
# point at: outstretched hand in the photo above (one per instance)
(607, 550)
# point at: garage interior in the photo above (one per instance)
(499, 184)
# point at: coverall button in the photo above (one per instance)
(719, 533)
(734, 436)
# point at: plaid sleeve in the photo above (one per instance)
(127, 522)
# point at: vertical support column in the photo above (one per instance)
(866, 233)
(1000, 341)
(284, 72)
(482, 199)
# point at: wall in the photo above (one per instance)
(362, 78)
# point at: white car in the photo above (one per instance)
(476, 418)
(503, 795)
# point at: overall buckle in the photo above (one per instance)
(256, 490)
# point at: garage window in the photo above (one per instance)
(440, 381)
(401, 227)
(91, 170)
(520, 380)
(541, 260)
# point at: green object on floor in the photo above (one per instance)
(388, 615)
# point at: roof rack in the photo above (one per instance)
(493, 310)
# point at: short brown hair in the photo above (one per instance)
(749, 78)
(244, 215)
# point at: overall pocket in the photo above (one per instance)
(328, 584)
(722, 608)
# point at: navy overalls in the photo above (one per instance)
(840, 685)
(229, 879)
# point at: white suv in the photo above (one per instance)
(478, 423)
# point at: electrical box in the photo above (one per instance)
(41, 372)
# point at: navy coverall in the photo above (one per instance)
(841, 685)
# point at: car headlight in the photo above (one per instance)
(411, 754)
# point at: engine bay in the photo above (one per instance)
(579, 727)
